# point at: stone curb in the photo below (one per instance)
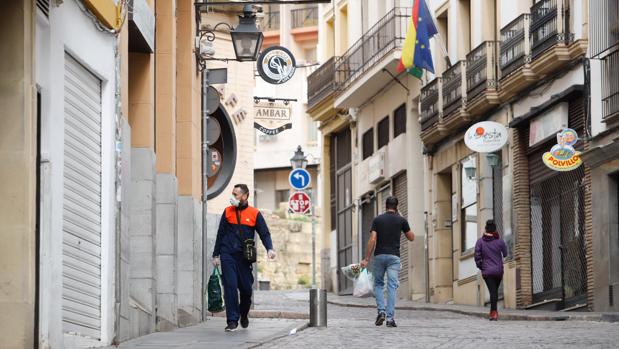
(505, 315)
(270, 314)
(297, 329)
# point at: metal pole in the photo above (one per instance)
(313, 240)
(425, 225)
(204, 190)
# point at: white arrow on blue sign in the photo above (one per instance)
(299, 178)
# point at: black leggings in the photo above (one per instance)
(493, 283)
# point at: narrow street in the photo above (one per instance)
(353, 327)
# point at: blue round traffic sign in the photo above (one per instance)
(299, 178)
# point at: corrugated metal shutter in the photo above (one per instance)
(401, 192)
(81, 244)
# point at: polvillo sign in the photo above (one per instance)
(486, 137)
(563, 157)
(272, 120)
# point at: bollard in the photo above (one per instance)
(318, 308)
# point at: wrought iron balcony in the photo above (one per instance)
(304, 17)
(603, 26)
(549, 25)
(321, 83)
(379, 40)
(270, 21)
(481, 69)
(452, 87)
(514, 44)
(430, 104)
(610, 85)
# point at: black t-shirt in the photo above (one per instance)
(388, 227)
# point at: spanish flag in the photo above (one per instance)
(416, 54)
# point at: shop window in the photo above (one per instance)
(469, 203)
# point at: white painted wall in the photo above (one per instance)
(70, 30)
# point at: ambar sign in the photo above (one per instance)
(272, 120)
(272, 113)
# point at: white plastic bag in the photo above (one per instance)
(351, 272)
(364, 285)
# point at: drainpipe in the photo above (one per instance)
(204, 191)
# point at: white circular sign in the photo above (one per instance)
(486, 137)
(276, 65)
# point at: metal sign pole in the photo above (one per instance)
(204, 190)
(313, 240)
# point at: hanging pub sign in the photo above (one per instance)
(563, 156)
(276, 65)
(272, 120)
(486, 137)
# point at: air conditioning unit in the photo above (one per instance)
(376, 167)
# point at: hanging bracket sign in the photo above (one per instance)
(563, 157)
(486, 137)
(272, 120)
(276, 65)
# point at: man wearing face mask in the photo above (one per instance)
(239, 223)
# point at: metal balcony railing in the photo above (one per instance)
(429, 104)
(604, 25)
(271, 21)
(321, 82)
(549, 25)
(610, 85)
(304, 17)
(480, 69)
(514, 37)
(452, 87)
(383, 37)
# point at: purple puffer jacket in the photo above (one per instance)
(489, 254)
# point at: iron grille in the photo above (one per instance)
(610, 85)
(271, 21)
(477, 62)
(429, 104)
(604, 24)
(321, 83)
(304, 17)
(512, 45)
(452, 88)
(544, 25)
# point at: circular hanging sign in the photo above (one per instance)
(276, 65)
(486, 137)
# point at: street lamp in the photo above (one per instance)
(469, 169)
(246, 39)
(299, 160)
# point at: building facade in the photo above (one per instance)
(102, 194)
(520, 64)
(367, 114)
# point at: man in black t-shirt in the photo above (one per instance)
(385, 237)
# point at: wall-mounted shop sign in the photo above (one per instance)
(545, 126)
(563, 156)
(276, 65)
(272, 120)
(486, 137)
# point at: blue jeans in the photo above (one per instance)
(391, 265)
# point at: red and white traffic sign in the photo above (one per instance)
(299, 202)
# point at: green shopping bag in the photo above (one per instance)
(215, 294)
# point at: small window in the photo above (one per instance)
(399, 121)
(368, 143)
(383, 132)
(282, 196)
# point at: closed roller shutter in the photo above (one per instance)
(81, 244)
(401, 192)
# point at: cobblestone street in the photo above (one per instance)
(353, 328)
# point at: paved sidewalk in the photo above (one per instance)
(505, 314)
(210, 334)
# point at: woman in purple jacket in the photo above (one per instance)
(490, 250)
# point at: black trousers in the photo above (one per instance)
(493, 283)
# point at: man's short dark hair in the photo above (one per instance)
(490, 226)
(244, 188)
(391, 203)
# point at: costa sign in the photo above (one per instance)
(563, 157)
(486, 137)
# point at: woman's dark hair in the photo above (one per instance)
(392, 203)
(244, 188)
(490, 226)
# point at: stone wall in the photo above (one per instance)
(292, 240)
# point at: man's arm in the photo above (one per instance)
(263, 232)
(369, 249)
(409, 235)
(220, 233)
(407, 230)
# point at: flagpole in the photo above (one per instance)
(441, 41)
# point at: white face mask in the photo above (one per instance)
(234, 201)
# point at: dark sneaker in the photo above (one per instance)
(244, 321)
(380, 319)
(232, 326)
(391, 323)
